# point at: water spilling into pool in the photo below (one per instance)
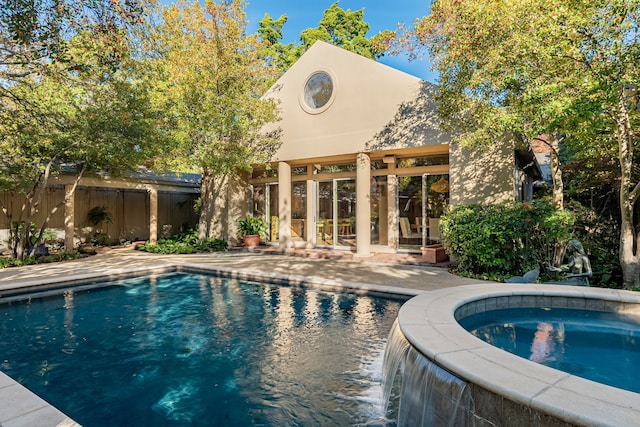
(429, 395)
(185, 349)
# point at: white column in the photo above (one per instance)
(284, 205)
(310, 228)
(69, 221)
(392, 217)
(153, 216)
(363, 205)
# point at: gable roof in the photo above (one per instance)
(373, 107)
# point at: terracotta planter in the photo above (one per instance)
(251, 240)
(434, 254)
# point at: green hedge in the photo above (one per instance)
(6, 262)
(186, 243)
(502, 240)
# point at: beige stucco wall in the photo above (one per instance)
(481, 175)
(375, 107)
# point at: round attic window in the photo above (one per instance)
(318, 92)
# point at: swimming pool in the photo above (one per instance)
(192, 349)
(600, 346)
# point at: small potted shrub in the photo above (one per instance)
(252, 229)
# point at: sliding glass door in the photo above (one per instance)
(335, 225)
(421, 202)
(265, 205)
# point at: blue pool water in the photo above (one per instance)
(189, 349)
(600, 346)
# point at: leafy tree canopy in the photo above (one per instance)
(93, 118)
(210, 81)
(344, 28)
(35, 33)
(543, 66)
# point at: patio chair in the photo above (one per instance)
(405, 229)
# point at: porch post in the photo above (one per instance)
(363, 205)
(284, 204)
(153, 216)
(69, 218)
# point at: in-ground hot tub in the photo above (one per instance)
(506, 389)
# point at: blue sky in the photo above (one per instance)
(379, 14)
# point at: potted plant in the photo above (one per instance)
(97, 216)
(252, 229)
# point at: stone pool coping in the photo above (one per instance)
(19, 407)
(429, 323)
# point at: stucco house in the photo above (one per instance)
(363, 164)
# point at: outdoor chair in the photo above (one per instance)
(405, 228)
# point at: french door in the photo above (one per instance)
(336, 213)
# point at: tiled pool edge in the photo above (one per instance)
(19, 407)
(511, 386)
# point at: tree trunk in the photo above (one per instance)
(629, 260)
(558, 189)
(558, 185)
(206, 203)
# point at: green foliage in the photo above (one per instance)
(599, 233)
(274, 52)
(185, 243)
(93, 117)
(101, 239)
(13, 262)
(36, 33)
(533, 67)
(506, 239)
(6, 262)
(210, 80)
(253, 226)
(32, 236)
(343, 28)
(98, 215)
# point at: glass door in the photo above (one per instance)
(436, 191)
(335, 225)
(379, 211)
(410, 212)
(265, 206)
(272, 213)
(345, 191)
(421, 201)
(324, 223)
(298, 211)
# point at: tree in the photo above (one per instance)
(35, 33)
(533, 67)
(95, 118)
(211, 79)
(339, 27)
(281, 55)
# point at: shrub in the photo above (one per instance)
(502, 240)
(185, 243)
(6, 262)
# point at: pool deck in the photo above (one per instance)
(393, 274)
